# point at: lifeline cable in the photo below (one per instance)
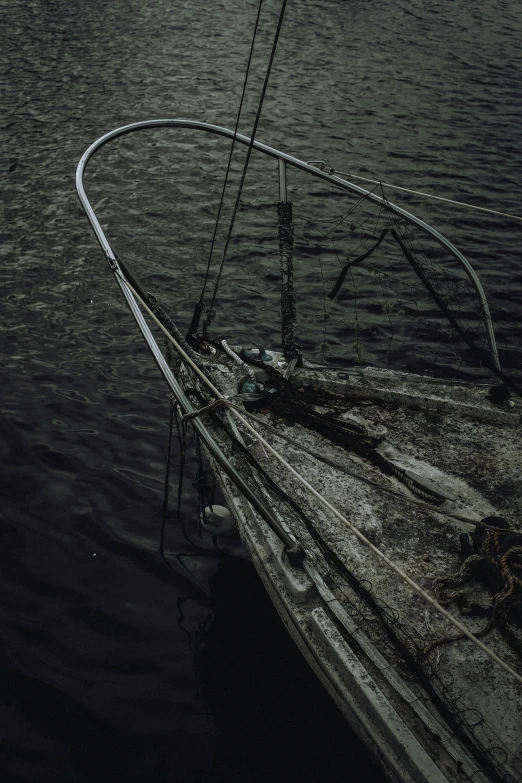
(426, 195)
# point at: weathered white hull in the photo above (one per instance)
(338, 667)
(395, 717)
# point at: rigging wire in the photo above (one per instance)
(403, 237)
(174, 417)
(210, 311)
(199, 306)
(427, 195)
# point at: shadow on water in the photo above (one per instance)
(268, 718)
(275, 720)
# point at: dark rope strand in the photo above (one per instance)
(480, 352)
(181, 430)
(245, 167)
(340, 280)
(166, 487)
(199, 306)
(288, 303)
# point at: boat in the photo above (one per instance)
(381, 507)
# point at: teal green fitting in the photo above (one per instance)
(248, 388)
(263, 356)
(255, 353)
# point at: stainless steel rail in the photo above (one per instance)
(283, 159)
(198, 425)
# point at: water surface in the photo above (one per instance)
(108, 653)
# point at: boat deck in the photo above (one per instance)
(465, 448)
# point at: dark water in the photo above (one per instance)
(105, 673)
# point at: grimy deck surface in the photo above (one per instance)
(465, 448)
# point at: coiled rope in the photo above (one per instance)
(497, 563)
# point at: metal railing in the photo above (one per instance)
(283, 160)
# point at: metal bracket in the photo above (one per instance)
(322, 165)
